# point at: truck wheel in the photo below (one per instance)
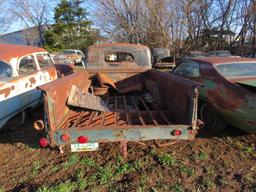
(213, 121)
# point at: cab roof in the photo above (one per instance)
(9, 51)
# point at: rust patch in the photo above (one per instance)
(105, 81)
(9, 51)
(32, 81)
(6, 92)
(224, 98)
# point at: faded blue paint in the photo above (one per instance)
(16, 104)
(131, 134)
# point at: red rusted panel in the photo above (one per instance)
(9, 51)
(59, 92)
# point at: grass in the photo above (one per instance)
(187, 170)
(124, 168)
(202, 156)
(207, 183)
(55, 168)
(143, 182)
(166, 160)
(104, 174)
(176, 187)
(60, 187)
(73, 159)
(80, 180)
(88, 162)
(2, 190)
(36, 168)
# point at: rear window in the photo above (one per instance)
(119, 57)
(5, 70)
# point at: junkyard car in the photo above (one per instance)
(70, 55)
(219, 53)
(228, 95)
(22, 69)
(166, 62)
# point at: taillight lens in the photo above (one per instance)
(43, 142)
(176, 132)
(65, 137)
(82, 139)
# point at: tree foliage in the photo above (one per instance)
(71, 29)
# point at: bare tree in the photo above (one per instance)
(33, 13)
(6, 18)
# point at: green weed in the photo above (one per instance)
(138, 164)
(124, 168)
(188, 170)
(207, 183)
(202, 156)
(143, 182)
(176, 187)
(36, 168)
(166, 160)
(55, 168)
(61, 187)
(104, 174)
(88, 162)
(73, 159)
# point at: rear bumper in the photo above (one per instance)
(108, 134)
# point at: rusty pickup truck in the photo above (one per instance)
(22, 69)
(136, 103)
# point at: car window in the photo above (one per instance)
(5, 70)
(44, 60)
(79, 53)
(27, 64)
(187, 69)
(119, 57)
(237, 69)
(68, 52)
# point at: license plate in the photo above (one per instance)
(84, 147)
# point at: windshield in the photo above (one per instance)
(5, 70)
(68, 52)
(223, 54)
(237, 69)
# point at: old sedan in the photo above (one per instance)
(22, 69)
(228, 93)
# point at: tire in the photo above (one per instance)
(211, 118)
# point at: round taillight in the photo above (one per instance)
(82, 139)
(43, 142)
(176, 132)
(65, 137)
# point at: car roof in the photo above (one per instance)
(116, 44)
(9, 51)
(222, 60)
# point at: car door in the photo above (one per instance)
(20, 91)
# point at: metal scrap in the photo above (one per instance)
(78, 98)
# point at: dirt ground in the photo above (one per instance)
(225, 162)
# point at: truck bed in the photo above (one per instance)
(126, 110)
(145, 106)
